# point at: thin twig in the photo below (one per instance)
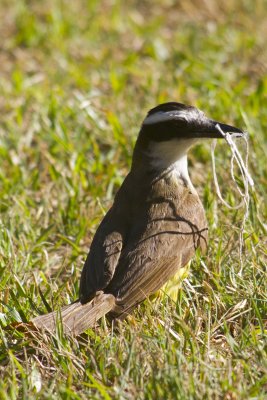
(247, 180)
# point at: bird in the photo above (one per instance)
(154, 227)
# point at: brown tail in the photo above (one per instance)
(77, 317)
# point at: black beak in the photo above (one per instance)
(213, 129)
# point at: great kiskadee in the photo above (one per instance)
(154, 226)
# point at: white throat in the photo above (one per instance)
(172, 155)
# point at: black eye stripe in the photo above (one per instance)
(167, 130)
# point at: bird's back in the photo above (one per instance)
(168, 228)
(164, 225)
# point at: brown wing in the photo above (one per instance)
(145, 284)
(106, 247)
(146, 236)
(103, 257)
(165, 239)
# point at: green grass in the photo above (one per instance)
(76, 80)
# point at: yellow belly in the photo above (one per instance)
(171, 287)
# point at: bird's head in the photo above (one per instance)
(170, 129)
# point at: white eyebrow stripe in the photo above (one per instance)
(162, 116)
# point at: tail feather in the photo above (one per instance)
(77, 317)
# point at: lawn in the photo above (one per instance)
(76, 80)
